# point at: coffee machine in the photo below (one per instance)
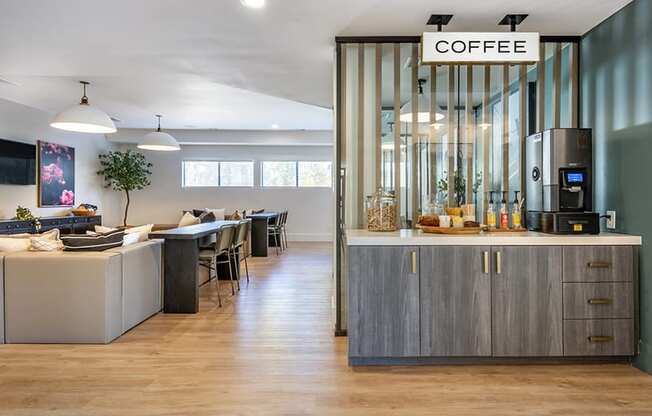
(559, 185)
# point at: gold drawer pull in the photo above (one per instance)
(598, 265)
(600, 338)
(414, 262)
(599, 301)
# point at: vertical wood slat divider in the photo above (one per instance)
(574, 84)
(397, 130)
(505, 97)
(541, 88)
(379, 120)
(432, 143)
(522, 128)
(343, 110)
(452, 156)
(556, 85)
(486, 133)
(415, 135)
(360, 142)
(469, 135)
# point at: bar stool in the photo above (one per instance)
(239, 248)
(275, 231)
(208, 257)
(283, 230)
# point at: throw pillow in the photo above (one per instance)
(45, 244)
(100, 229)
(130, 238)
(257, 211)
(93, 243)
(207, 216)
(142, 231)
(188, 219)
(219, 213)
(12, 245)
(198, 212)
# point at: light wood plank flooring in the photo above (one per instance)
(270, 351)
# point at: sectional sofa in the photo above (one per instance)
(79, 297)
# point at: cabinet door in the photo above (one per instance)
(383, 302)
(527, 301)
(455, 301)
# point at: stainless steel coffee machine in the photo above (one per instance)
(559, 185)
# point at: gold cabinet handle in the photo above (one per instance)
(485, 262)
(499, 265)
(414, 262)
(598, 265)
(599, 301)
(600, 338)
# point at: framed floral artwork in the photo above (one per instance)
(56, 179)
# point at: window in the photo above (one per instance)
(317, 174)
(198, 173)
(237, 174)
(279, 174)
(297, 174)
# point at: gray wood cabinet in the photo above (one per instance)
(527, 301)
(383, 301)
(455, 301)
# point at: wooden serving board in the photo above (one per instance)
(503, 230)
(450, 230)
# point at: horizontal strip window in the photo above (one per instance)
(210, 173)
(293, 174)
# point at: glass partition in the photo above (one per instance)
(443, 135)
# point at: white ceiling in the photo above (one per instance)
(215, 64)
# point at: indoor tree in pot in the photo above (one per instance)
(125, 171)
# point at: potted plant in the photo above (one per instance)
(125, 171)
(24, 214)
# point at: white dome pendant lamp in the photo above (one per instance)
(84, 118)
(158, 140)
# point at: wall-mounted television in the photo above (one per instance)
(17, 163)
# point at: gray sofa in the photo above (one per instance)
(81, 297)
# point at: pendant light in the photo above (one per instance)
(423, 110)
(84, 118)
(158, 140)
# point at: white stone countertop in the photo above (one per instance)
(529, 238)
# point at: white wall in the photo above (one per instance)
(310, 215)
(26, 124)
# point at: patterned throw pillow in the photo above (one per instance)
(93, 243)
(45, 244)
(188, 219)
(207, 216)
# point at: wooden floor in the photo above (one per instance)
(270, 351)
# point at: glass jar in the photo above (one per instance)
(381, 211)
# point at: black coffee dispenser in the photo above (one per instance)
(559, 185)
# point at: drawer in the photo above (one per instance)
(598, 264)
(594, 337)
(598, 300)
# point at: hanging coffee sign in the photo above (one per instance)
(478, 47)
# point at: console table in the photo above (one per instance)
(67, 225)
(181, 257)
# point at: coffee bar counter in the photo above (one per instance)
(419, 238)
(416, 298)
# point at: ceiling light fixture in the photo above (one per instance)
(275, 126)
(253, 4)
(158, 140)
(84, 118)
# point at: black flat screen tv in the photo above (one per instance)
(17, 163)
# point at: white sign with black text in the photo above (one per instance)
(487, 47)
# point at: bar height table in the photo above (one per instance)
(259, 223)
(180, 260)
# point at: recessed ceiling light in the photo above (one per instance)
(253, 4)
(274, 126)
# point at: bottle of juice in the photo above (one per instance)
(504, 212)
(516, 211)
(491, 211)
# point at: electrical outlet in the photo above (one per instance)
(611, 220)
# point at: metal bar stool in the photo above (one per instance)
(275, 231)
(208, 257)
(240, 246)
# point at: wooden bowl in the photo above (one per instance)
(83, 212)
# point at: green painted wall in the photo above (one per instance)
(616, 101)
